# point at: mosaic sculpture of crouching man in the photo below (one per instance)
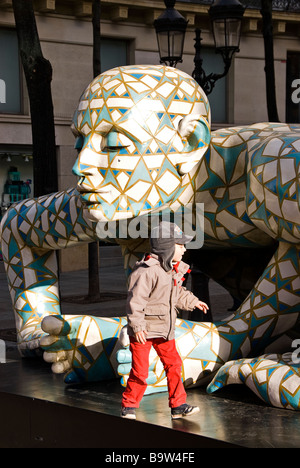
(144, 145)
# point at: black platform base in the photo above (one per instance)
(39, 411)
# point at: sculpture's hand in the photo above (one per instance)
(156, 378)
(29, 338)
(84, 347)
(274, 378)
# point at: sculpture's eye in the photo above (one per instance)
(112, 148)
(116, 141)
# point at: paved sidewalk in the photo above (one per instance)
(112, 280)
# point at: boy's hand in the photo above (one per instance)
(202, 306)
(141, 336)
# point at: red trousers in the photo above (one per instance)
(136, 384)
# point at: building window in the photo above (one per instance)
(114, 53)
(10, 77)
(293, 87)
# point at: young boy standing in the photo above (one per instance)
(155, 290)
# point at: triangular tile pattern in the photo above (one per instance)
(92, 344)
(248, 182)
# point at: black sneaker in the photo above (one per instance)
(128, 413)
(184, 410)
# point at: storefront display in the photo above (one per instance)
(17, 187)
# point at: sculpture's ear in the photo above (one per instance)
(195, 133)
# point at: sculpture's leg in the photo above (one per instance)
(273, 306)
(276, 302)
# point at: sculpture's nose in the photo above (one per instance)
(84, 164)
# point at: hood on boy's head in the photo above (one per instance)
(163, 239)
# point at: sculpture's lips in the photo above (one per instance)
(93, 198)
(85, 193)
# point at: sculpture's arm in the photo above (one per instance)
(31, 232)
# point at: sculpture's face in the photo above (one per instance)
(139, 130)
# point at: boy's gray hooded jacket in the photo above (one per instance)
(153, 296)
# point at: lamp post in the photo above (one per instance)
(170, 29)
(226, 17)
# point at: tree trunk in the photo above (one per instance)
(93, 248)
(266, 12)
(38, 73)
(96, 38)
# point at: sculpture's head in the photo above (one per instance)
(139, 130)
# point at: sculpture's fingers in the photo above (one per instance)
(52, 343)
(55, 325)
(124, 356)
(34, 344)
(60, 367)
(48, 341)
(124, 369)
(55, 357)
(30, 348)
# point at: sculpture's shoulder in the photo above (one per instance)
(276, 143)
(233, 137)
(52, 203)
(241, 144)
(59, 209)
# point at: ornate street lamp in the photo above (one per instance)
(170, 29)
(226, 17)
